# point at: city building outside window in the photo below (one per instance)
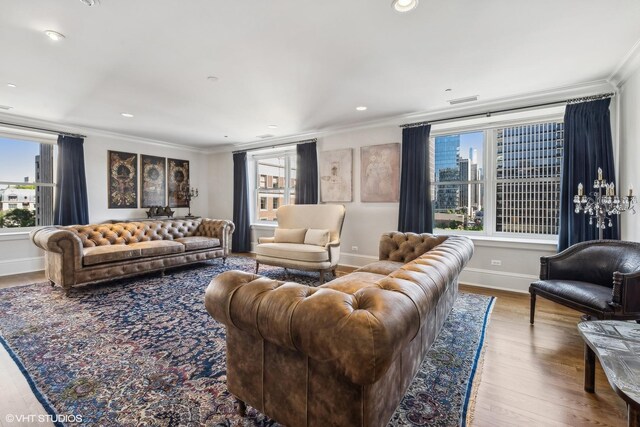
(26, 183)
(275, 183)
(498, 181)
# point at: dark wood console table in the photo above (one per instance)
(617, 346)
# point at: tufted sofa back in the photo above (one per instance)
(123, 233)
(405, 247)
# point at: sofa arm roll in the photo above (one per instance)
(405, 247)
(358, 334)
(218, 228)
(626, 292)
(54, 239)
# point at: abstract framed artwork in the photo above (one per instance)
(153, 181)
(123, 180)
(178, 182)
(380, 173)
(336, 175)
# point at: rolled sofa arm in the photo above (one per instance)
(66, 246)
(359, 334)
(405, 247)
(220, 229)
(266, 240)
(626, 292)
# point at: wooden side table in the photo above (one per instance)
(617, 346)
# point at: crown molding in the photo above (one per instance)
(624, 69)
(556, 94)
(93, 132)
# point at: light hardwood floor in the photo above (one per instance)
(532, 375)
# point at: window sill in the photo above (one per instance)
(508, 242)
(13, 235)
(267, 226)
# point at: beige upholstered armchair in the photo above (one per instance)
(307, 238)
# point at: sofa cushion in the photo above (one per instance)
(381, 267)
(293, 251)
(289, 235)
(109, 253)
(353, 282)
(316, 236)
(195, 243)
(158, 247)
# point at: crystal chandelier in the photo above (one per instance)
(603, 203)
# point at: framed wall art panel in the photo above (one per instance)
(178, 182)
(153, 180)
(123, 180)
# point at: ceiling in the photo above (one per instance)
(303, 65)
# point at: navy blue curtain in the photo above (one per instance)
(241, 238)
(306, 174)
(587, 147)
(416, 214)
(71, 205)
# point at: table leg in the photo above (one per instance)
(589, 369)
(633, 413)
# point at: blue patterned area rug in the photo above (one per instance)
(144, 351)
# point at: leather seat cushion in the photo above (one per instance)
(293, 251)
(158, 247)
(111, 253)
(585, 293)
(195, 243)
(353, 282)
(381, 267)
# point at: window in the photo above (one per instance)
(518, 196)
(275, 183)
(26, 183)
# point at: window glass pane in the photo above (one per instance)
(457, 159)
(528, 162)
(24, 164)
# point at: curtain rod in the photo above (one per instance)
(506, 110)
(56, 132)
(274, 146)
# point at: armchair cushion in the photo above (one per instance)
(293, 251)
(315, 236)
(584, 293)
(289, 235)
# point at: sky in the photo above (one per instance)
(472, 139)
(17, 159)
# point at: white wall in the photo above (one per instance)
(19, 255)
(365, 222)
(630, 149)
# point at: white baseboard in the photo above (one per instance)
(21, 265)
(501, 280)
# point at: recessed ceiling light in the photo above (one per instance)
(226, 136)
(361, 108)
(448, 90)
(11, 85)
(54, 35)
(127, 115)
(404, 5)
(273, 126)
(5, 107)
(213, 78)
(90, 2)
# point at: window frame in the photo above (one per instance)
(277, 191)
(490, 180)
(39, 139)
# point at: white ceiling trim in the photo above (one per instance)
(626, 67)
(89, 132)
(551, 95)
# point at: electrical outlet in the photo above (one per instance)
(496, 262)
(354, 249)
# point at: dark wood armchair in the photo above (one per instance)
(598, 278)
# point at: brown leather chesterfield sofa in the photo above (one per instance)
(344, 353)
(81, 254)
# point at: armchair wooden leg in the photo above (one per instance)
(532, 311)
(224, 260)
(257, 266)
(52, 283)
(241, 408)
(333, 272)
(321, 277)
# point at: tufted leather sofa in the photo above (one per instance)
(344, 353)
(81, 254)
